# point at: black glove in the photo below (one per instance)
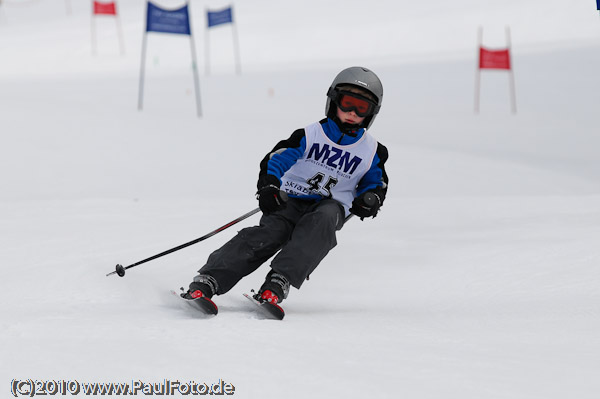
(366, 205)
(270, 197)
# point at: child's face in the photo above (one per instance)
(349, 117)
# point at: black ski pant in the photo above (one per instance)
(303, 232)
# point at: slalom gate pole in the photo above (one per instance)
(120, 270)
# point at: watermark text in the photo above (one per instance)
(31, 388)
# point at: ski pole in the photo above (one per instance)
(120, 270)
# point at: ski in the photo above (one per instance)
(208, 307)
(203, 304)
(270, 310)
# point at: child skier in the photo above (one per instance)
(326, 170)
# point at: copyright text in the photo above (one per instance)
(31, 388)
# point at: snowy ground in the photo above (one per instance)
(479, 279)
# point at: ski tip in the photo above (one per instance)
(272, 311)
(205, 305)
(211, 306)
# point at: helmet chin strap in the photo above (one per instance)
(347, 129)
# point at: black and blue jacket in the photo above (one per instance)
(287, 152)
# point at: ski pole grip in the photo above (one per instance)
(283, 195)
(370, 199)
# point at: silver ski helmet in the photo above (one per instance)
(361, 78)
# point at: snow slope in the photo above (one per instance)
(479, 279)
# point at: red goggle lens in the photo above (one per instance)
(348, 102)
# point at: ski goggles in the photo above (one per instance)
(348, 101)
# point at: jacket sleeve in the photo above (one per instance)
(281, 158)
(376, 179)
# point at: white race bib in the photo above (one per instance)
(329, 169)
